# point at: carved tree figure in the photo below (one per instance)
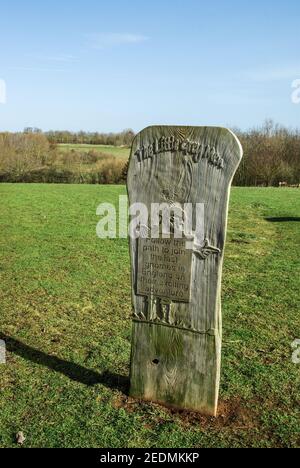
(177, 326)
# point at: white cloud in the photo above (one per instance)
(103, 40)
(38, 69)
(59, 58)
(273, 74)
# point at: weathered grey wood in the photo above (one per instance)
(176, 345)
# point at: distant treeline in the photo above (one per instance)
(123, 138)
(30, 157)
(271, 156)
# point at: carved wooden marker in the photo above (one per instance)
(176, 291)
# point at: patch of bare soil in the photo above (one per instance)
(231, 414)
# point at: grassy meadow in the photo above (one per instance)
(66, 319)
(121, 152)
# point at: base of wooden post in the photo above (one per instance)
(175, 367)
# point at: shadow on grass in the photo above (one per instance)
(287, 219)
(69, 369)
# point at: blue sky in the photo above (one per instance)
(110, 65)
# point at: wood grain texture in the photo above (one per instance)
(176, 347)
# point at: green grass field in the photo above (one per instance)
(65, 316)
(121, 152)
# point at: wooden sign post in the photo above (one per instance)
(176, 282)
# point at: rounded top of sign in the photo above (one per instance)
(186, 131)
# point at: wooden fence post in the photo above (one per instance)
(176, 287)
